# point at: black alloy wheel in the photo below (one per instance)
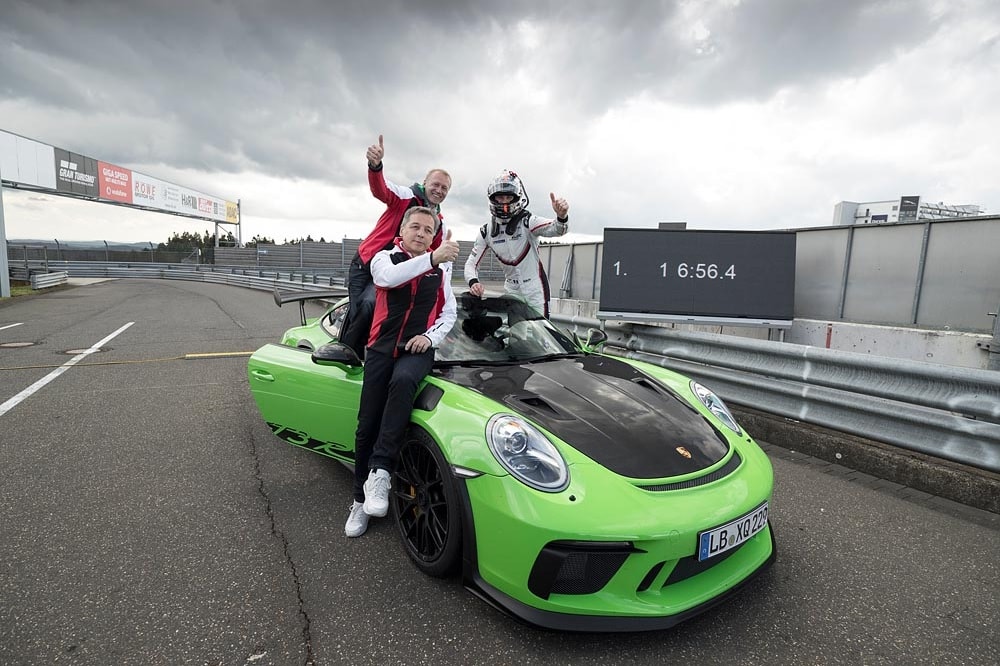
(425, 506)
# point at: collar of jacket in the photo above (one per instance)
(398, 242)
(418, 189)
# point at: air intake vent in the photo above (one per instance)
(565, 567)
(538, 404)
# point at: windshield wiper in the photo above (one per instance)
(472, 363)
(550, 357)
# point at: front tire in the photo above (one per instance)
(425, 506)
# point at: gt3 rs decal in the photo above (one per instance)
(299, 438)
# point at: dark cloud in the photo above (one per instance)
(751, 49)
(239, 87)
(298, 89)
(762, 47)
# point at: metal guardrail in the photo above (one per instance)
(46, 280)
(944, 411)
(253, 278)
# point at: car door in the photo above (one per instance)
(306, 404)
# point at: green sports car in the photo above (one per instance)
(573, 489)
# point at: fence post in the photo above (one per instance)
(566, 288)
(4, 259)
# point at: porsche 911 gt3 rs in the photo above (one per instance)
(573, 489)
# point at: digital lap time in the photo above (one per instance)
(700, 271)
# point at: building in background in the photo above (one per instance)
(904, 209)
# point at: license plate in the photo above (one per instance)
(719, 540)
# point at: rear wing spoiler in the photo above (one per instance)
(302, 296)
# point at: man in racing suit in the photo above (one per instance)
(397, 200)
(513, 235)
(414, 310)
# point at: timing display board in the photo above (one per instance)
(737, 277)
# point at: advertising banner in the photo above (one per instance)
(909, 207)
(148, 191)
(115, 182)
(187, 201)
(28, 162)
(75, 173)
(155, 193)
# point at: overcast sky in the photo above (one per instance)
(725, 114)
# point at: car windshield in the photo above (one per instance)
(501, 330)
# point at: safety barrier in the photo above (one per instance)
(240, 276)
(46, 280)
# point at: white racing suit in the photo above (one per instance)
(515, 244)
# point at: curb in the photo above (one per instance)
(967, 485)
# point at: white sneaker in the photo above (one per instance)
(377, 493)
(357, 521)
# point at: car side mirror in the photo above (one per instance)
(595, 338)
(338, 355)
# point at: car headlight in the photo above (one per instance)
(527, 453)
(716, 406)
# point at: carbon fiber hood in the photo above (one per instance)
(606, 409)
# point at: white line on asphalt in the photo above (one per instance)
(11, 325)
(20, 397)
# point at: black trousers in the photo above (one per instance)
(361, 291)
(387, 394)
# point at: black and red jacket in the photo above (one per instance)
(412, 297)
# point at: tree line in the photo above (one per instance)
(189, 242)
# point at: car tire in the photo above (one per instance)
(425, 506)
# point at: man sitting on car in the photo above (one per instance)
(414, 311)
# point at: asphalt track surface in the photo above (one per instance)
(150, 517)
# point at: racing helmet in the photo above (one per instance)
(507, 183)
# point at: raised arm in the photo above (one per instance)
(543, 226)
(385, 191)
(388, 275)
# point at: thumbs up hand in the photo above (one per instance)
(447, 252)
(559, 205)
(375, 154)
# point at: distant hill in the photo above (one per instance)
(77, 245)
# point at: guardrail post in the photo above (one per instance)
(993, 363)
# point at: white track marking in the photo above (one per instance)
(20, 397)
(11, 325)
